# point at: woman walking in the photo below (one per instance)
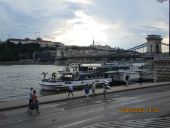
(34, 104)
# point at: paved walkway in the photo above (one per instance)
(138, 123)
(77, 94)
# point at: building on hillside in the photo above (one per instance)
(42, 43)
(101, 47)
(77, 51)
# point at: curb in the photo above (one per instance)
(100, 93)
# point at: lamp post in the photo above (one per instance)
(36, 34)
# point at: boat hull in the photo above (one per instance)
(59, 85)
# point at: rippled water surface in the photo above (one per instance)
(15, 80)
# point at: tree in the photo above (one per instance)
(39, 39)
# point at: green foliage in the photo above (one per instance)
(11, 52)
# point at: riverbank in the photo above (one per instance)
(7, 63)
(77, 94)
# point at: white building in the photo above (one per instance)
(101, 47)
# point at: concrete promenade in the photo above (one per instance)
(77, 94)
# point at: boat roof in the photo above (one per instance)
(121, 72)
(85, 65)
(91, 65)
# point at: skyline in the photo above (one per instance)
(120, 23)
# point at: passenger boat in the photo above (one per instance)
(82, 74)
(120, 76)
(77, 75)
(77, 79)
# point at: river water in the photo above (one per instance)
(15, 80)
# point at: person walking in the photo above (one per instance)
(105, 88)
(86, 90)
(93, 88)
(30, 98)
(140, 78)
(34, 104)
(70, 89)
(127, 80)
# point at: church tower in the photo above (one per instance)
(93, 42)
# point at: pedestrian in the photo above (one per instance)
(93, 88)
(34, 104)
(30, 98)
(127, 80)
(140, 78)
(44, 75)
(70, 89)
(54, 75)
(86, 90)
(105, 88)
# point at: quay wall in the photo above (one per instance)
(161, 68)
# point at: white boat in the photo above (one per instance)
(76, 80)
(82, 74)
(144, 71)
(133, 70)
(120, 76)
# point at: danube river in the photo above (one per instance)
(15, 80)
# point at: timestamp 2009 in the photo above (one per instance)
(139, 110)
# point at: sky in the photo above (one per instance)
(118, 23)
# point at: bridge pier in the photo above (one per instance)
(154, 44)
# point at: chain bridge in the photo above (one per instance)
(153, 47)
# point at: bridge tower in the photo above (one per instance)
(154, 44)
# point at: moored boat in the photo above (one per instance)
(78, 79)
(82, 74)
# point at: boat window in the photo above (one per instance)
(68, 82)
(89, 76)
(76, 78)
(82, 77)
(106, 75)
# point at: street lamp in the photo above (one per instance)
(36, 34)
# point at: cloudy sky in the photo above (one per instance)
(120, 23)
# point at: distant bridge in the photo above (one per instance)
(139, 51)
(125, 55)
(142, 48)
(153, 47)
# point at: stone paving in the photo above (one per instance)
(161, 122)
(77, 94)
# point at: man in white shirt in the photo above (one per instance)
(93, 88)
(105, 87)
(30, 98)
